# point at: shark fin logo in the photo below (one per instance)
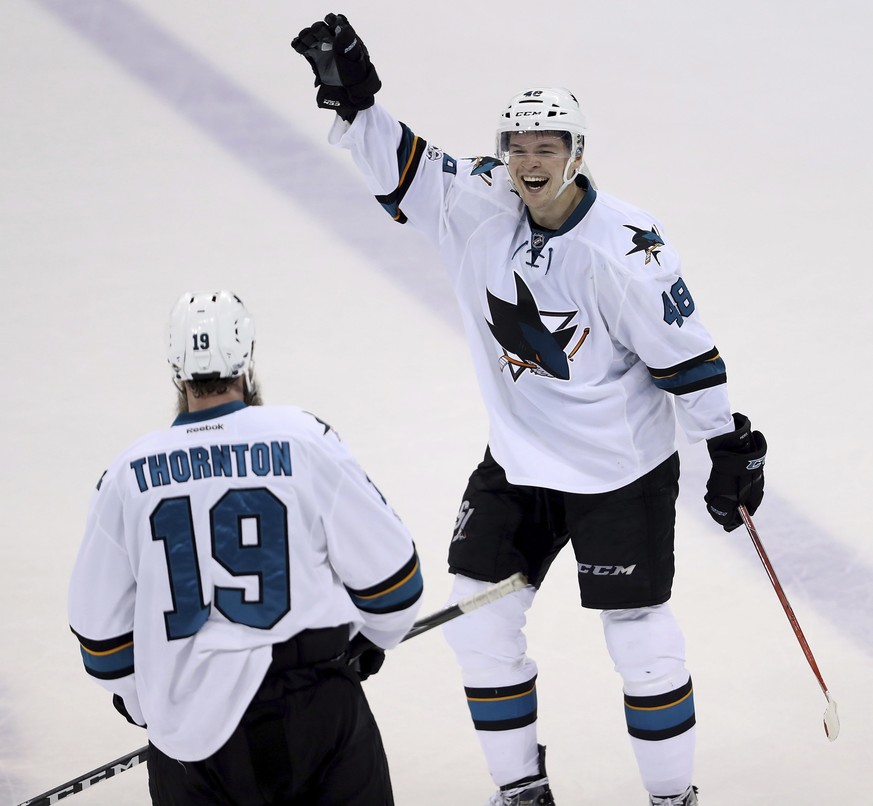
(648, 241)
(528, 343)
(483, 166)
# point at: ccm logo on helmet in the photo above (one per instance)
(527, 113)
(605, 570)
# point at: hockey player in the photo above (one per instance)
(588, 347)
(226, 562)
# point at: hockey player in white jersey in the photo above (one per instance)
(227, 562)
(588, 347)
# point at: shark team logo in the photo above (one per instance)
(483, 166)
(648, 241)
(529, 344)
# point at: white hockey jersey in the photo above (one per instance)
(209, 542)
(582, 338)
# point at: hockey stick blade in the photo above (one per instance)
(831, 718)
(473, 602)
(490, 594)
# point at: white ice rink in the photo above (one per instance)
(154, 146)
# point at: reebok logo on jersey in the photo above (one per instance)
(207, 427)
(605, 570)
(529, 344)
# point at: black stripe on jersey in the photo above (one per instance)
(109, 658)
(397, 592)
(697, 373)
(409, 154)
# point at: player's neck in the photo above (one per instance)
(232, 395)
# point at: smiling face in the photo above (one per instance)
(538, 164)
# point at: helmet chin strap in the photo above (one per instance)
(569, 180)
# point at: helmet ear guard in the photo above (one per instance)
(211, 335)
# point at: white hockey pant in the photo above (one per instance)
(499, 679)
(647, 648)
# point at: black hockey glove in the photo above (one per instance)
(346, 78)
(365, 657)
(737, 475)
(119, 706)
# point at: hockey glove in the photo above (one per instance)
(737, 475)
(118, 704)
(365, 657)
(346, 78)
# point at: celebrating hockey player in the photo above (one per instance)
(226, 563)
(588, 347)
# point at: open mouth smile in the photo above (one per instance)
(534, 183)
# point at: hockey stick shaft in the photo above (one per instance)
(831, 717)
(473, 602)
(87, 780)
(783, 599)
(490, 594)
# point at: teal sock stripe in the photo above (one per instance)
(661, 716)
(503, 707)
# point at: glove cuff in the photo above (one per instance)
(739, 452)
(737, 441)
(119, 705)
(338, 100)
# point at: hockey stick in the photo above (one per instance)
(490, 594)
(831, 720)
(87, 780)
(473, 602)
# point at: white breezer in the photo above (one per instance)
(212, 335)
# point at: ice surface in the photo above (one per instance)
(156, 146)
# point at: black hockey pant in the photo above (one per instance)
(307, 739)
